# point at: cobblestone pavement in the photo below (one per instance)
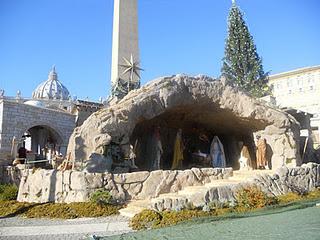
(82, 228)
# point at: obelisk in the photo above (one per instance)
(125, 48)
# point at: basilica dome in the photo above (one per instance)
(51, 88)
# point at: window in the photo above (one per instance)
(311, 88)
(309, 79)
(289, 83)
(313, 76)
(290, 91)
(272, 87)
(278, 85)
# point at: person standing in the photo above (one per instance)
(22, 152)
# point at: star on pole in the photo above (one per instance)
(132, 67)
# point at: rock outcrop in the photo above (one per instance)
(299, 179)
(11, 174)
(42, 185)
(181, 101)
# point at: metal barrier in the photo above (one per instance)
(27, 163)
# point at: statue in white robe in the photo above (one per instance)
(217, 153)
(245, 158)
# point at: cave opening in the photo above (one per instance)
(199, 124)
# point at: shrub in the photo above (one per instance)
(315, 194)
(8, 192)
(172, 217)
(70, 210)
(252, 197)
(101, 197)
(56, 210)
(152, 219)
(215, 204)
(295, 197)
(145, 220)
(289, 197)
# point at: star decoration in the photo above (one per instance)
(131, 66)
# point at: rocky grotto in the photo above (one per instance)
(197, 105)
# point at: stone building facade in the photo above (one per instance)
(17, 118)
(83, 109)
(44, 122)
(299, 89)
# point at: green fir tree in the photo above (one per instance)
(241, 63)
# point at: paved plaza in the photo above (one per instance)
(83, 228)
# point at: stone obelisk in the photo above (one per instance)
(125, 48)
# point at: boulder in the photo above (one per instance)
(98, 163)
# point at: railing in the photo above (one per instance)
(28, 162)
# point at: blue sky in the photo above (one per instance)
(176, 36)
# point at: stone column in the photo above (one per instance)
(125, 39)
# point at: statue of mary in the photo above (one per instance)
(218, 158)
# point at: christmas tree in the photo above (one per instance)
(241, 63)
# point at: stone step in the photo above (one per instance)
(196, 194)
(134, 207)
(223, 182)
(190, 194)
(250, 173)
(138, 203)
(167, 195)
(193, 190)
(130, 211)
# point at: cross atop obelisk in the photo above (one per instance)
(125, 48)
